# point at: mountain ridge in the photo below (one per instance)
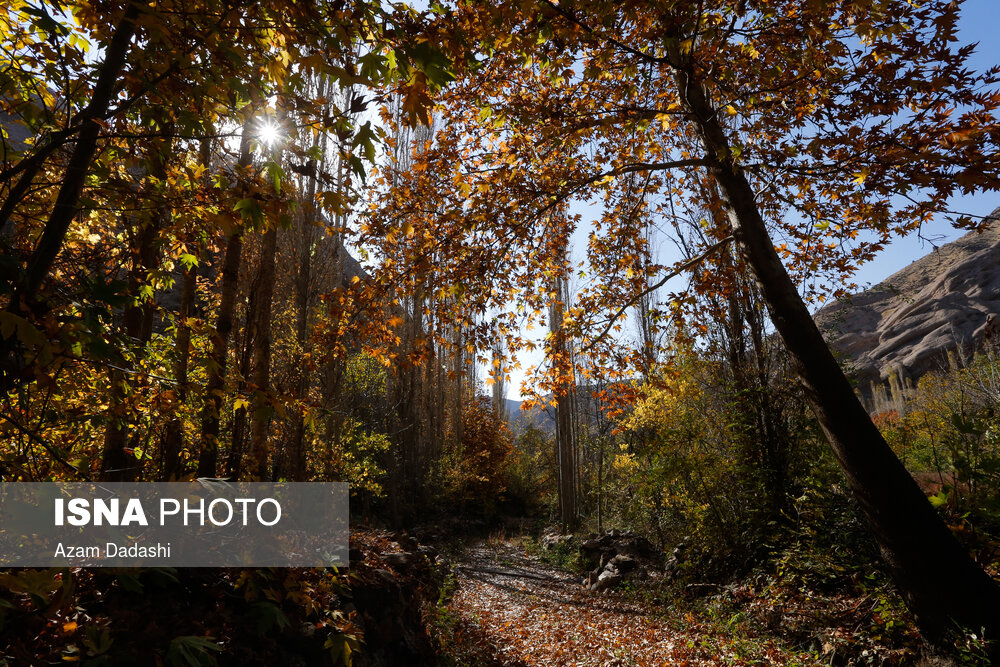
(909, 322)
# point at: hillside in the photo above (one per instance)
(519, 419)
(910, 320)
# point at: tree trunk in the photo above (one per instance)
(564, 418)
(214, 386)
(173, 439)
(458, 425)
(118, 463)
(261, 411)
(65, 208)
(940, 582)
(67, 201)
(296, 449)
(243, 346)
(303, 302)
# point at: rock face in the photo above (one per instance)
(910, 321)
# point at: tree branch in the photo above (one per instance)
(33, 437)
(652, 288)
(33, 164)
(67, 201)
(644, 166)
(569, 16)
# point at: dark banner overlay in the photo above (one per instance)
(205, 523)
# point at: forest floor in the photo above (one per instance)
(521, 611)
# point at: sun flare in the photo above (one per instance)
(269, 133)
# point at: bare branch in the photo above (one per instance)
(687, 264)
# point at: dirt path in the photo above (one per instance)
(536, 615)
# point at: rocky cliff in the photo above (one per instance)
(910, 321)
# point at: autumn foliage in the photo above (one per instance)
(475, 471)
(297, 241)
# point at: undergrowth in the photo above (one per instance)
(560, 555)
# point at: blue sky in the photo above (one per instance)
(979, 23)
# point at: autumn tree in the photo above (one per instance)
(141, 123)
(561, 358)
(478, 464)
(830, 127)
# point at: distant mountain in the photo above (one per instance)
(911, 320)
(519, 419)
(544, 418)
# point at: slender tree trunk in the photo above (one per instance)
(215, 385)
(938, 579)
(118, 462)
(440, 403)
(211, 415)
(261, 411)
(564, 419)
(173, 439)
(238, 425)
(459, 370)
(67, 200)
(302, 285)
(418, 415)
(499, 384)
(751, 388)
(117, 465)
(303, 292)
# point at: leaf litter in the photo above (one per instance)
(534, 614)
